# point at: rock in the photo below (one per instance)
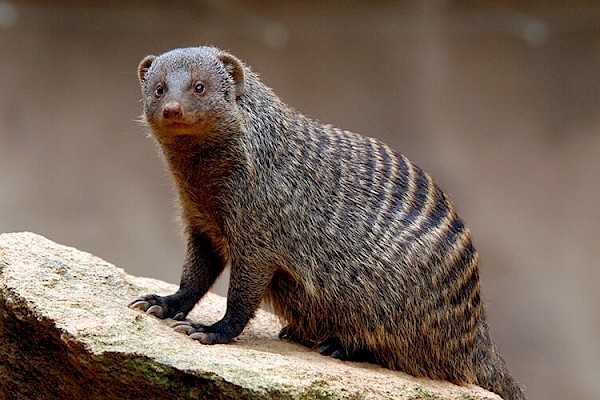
(66, 333)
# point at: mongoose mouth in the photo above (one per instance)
(179, 127)
(176, 125)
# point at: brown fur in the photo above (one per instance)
(356, 248)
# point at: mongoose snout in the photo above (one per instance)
(172, 111)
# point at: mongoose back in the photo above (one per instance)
(356, 248)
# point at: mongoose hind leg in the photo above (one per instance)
(334, 347)
(289, 333)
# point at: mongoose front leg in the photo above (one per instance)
(246, 288)
(201, 268)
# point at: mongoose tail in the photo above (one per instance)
(490, 368)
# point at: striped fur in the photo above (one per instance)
(356, 248)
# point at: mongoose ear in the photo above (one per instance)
(235, 69)
(144, 66)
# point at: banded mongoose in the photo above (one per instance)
(356, 248)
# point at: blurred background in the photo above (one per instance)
(498, 100)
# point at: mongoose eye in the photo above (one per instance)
(158, 91)
(199, 88)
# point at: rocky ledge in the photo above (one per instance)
(66, 333)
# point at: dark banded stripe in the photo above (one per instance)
(373, 182)
(419, 198)
(436, 214)
(323, 143)
(370, 163)
(468, 281)
(307, 144)
(401, 192)
(385, 192)
(452, 231)
(344, 152)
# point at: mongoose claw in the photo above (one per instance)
(179, 316)
(139, 304)
(155, 310)
(184, 327)
(199, 336)
(210, 337)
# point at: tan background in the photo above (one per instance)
(499, 102)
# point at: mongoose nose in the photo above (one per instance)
(172, 111)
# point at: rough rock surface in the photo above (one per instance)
(66, 333)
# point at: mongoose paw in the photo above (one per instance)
(333, 347)
(286, 333)
(202, 333)
(159, 306)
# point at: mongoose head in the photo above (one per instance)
(191, 91)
